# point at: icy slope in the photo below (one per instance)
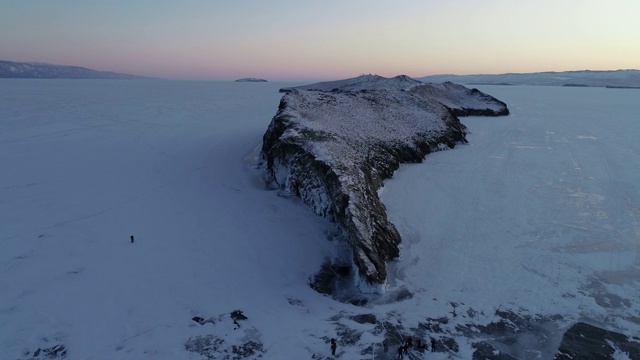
(461, 100)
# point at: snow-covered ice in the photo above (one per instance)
(540, 213)
(86, 164)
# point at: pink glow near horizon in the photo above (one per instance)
(289, 40)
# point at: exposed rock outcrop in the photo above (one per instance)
(226, 338)
(52, 353)
(584, 341)
(333, 146)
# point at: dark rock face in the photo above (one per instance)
(588, 342)
(334, 149)
(54, 352)
(365, 319)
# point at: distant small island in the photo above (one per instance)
(251, 80)
(622, 87)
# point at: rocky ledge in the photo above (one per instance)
(333, 144)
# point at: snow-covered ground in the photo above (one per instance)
(540, 213)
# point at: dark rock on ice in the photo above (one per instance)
(486, 351)
(434, 325)
(246, 345)
(238, 315)
(329, 277)
(365, 319)
(202, 321)
(208, 346)
(348, 336)
(249, 349)
(444, 344)
(588, 342)
(333, 147)
(54, 352)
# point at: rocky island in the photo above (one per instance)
(251, 80)
(333, 144)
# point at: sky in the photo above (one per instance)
(322, 40)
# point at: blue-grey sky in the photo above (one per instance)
(289, 40)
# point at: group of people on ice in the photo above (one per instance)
(408, 344)
(403, 349)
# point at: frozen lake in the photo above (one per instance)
(539, 214)
(540, 211)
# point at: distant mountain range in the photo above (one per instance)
(23, 70)
(614, 78)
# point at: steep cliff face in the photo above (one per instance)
(335, 148)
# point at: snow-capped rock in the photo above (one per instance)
(363, 82)
(462, 100)
(334, 145)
